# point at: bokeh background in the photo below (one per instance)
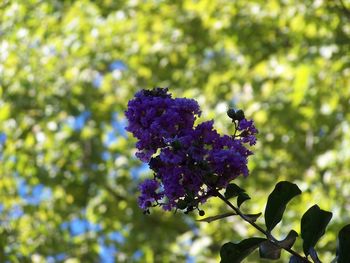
(68, 175)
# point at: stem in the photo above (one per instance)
(268, 235)
(234, 135)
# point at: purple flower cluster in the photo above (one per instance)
(153, 115)
(248, 131)
(190, 163)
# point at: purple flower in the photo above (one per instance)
(190, 163)
(154, 116)
(172, 156)
(149, 193)
(248, 131)
(227, 164)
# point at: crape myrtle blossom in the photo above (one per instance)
(190, 163)
(154, 116)
(248, 131)
(148, 193)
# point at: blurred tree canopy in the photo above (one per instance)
(68, 175)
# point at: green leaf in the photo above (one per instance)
(289, 241)
(235, 253)
(252, 217)
(269, 250)
(233, 190)
(343, 245)
(242, 197)
(276, 204)
(313, 226)
(213, 218)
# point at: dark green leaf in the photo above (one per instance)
(242, 197)
(235, 253)
(252, 217)
(269, 250)
(313, 226)
(233, 190)
(276, 204)
(213, 218)
(288, 242)
(343, 245)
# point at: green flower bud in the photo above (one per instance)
(239, 115)
(181, 204)
(232, 114)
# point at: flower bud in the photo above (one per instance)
(239, 115)
(232, 114)
(181, 204)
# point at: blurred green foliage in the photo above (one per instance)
(287, 63)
